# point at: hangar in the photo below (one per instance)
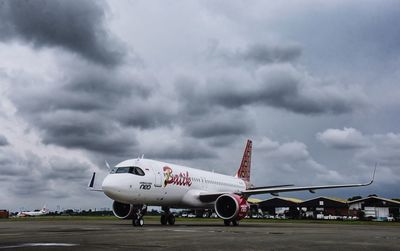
(281, 206)
(320, 206)
(374, 207)
(371, 207)
(255, 211)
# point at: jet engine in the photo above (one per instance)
(231, 207)
(122, 210)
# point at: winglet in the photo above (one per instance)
(373, 176)
(91, 183)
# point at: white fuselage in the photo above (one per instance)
(33, 213)
(164, 184)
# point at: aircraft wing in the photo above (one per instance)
(255, 188)
(209, 197)
(293, 189)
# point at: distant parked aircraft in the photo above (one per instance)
(136, 183)
(43, 211)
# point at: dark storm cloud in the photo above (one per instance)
(9, 167)
(85, 131)
(203, 119)
(368, 149)
(83, 88)
(384, 150)
(264, 54)
(23, 170)
(76, 26)
(61, 123)
(29, 175)
(3, 141)
(258, 54)
(289, 159)
(15, 164)
(89, 108)
(357, 34)
(275, 81)
(182, 151)
(192, 96)
(28, 186)
(146, 113)
(218, 124)
(67, 169)
(283, 86)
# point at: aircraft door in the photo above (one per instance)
(158, 177)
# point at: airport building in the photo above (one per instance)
(255, 211)
(4, 214)
(374, 207)
(281, 207)
(324, 206)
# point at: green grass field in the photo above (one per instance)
(157, 219)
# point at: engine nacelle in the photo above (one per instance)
(122, 210)
(231, 207)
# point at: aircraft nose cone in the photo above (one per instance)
(109, 186)
(116, 187)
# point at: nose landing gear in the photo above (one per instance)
(138, 222)
(137, 219)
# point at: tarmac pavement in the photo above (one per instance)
(119, 235)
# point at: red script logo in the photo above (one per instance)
(181, 179)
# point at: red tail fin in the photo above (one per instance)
(244, 170)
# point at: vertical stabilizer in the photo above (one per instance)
(244, 169)
(44, 209)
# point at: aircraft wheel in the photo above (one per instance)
(135, 222)
(227, 222)
(171, 219)
(140, 222)
(163, 219)
(235, 223)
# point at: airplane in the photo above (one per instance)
(135, 184)
(43, 211)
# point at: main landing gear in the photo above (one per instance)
(137, 219)
(167, 217)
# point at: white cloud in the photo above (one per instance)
(291, 162)
(382, 149)
(348, 138)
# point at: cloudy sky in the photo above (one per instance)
(313, 83)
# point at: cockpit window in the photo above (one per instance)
(130, 169)
(139, 171)
(123, 170)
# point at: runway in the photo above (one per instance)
(118, 235)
